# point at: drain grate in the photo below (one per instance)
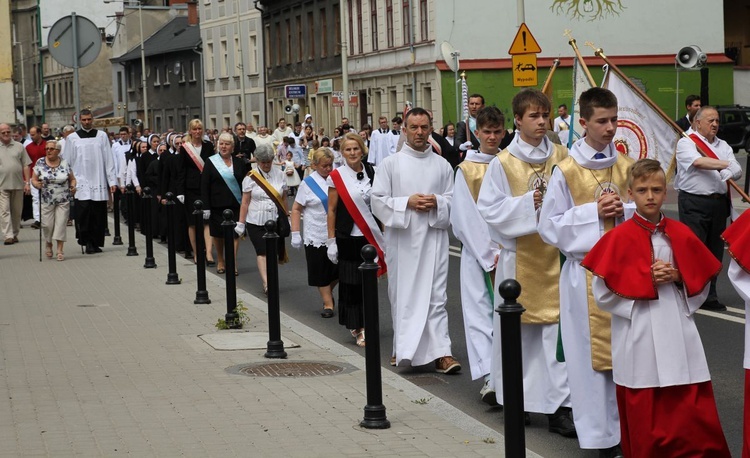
(288, 369)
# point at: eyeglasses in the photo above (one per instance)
(50, 149)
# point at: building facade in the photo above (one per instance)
(27, 74)
(234, 80)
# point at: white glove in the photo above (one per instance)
(181, 198)
(725, 174)
(333, 251)
(239, 228)
(206, 214)
(296, 240)
(465, 146)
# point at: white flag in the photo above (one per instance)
(641, 131)
(580, 84)
(464, 98)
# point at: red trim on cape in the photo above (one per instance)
(356, 215)
(624, 255)
(737, 237)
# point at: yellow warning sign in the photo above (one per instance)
(524, 70)
(524, 43)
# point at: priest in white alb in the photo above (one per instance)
(411, 195)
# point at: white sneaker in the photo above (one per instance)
(488, 394)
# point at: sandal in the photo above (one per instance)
(361, 338)
(220, 270)
(48, 251)
(60, 256)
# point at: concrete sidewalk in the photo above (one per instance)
(98, 357)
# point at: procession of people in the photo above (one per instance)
(612, 355)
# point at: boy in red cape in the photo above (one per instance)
(737, 237)
(652, 273)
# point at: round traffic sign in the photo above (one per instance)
(63, 45)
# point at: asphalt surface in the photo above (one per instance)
(722, 335)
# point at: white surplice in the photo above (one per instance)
(416, 251)
(93, 165)
(741, 282)
(477, 257)
(574, 230)
(545, 380)
(655, 343)
(381, 146)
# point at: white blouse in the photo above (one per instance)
(262, 207)
(315, 221)
(362, 187)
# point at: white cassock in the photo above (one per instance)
(119, 151)
(416, 251)
(93, 165)
(575, 230)
(477, 258)
(655, 343)
(741, 282)
(380, 147)
(545, 380)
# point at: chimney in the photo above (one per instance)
(192, 6)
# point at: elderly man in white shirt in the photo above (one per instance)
(704, 165)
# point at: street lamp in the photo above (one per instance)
(143, 57)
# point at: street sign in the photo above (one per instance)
(524, 70)
(324, 86)
(295, 91)
(337, 98)
(61, 41)
(524, 42)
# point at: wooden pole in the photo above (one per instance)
(548, 81)
(572, 43)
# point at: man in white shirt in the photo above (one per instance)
(562, 121)
(281, 131)
(701, 181)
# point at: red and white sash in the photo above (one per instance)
(197, 159)
(435, 145)
(361, 215)
(708, 152)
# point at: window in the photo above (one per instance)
(192, 71)
(288, 24)
(211, 60)
(166, 75)
(351, 28)
(253, 51)
(310, 35)
(156, 75)
(238, 61)
(182, 72)
(423, 20)
(406, 20)
(323, 33)
(389, 22)
(359, 26)
(374, 23)
(337, 30)
(224, 58)
(277, 43)
(267, 44)
(300, 42)
(131, 77)
(119, 87)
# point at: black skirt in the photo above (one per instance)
(320, 270)
(351, 305)
(217, 217)
(256, 234)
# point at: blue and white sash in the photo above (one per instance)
(316, 189)
(228, 175)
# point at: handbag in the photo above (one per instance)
(283, 228)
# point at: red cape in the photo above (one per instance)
(737, 236)
(623, 258)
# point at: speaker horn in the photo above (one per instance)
(691, 57)
(288, 109)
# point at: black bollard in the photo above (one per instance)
(374, 410)
(149, 263)
(201, 294)
(227, 226)
(510, 339)
(275, 346)
(130, 197)
(172, 277)
(117, 240)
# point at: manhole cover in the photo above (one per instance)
(289, 369)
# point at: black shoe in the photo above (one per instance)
(106, 233)
(561, 423)
(526, 419)
(327, 313)
(36, 225)
(90, 249)
(714, 306)
(97, 249)
(612, 452)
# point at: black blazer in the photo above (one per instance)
(683, 123)
(152, 176)
(188, 175)
(214, 190)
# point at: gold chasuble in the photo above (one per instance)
(473, 174)
(586, 186)
(537, 264)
